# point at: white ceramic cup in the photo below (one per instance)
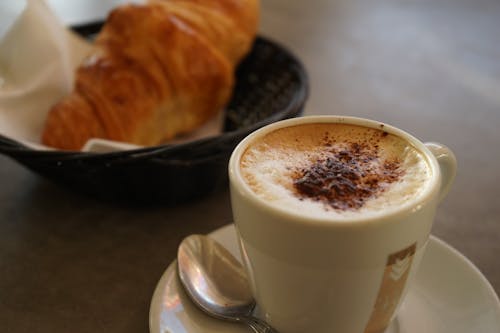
(318, 275)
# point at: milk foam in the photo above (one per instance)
(270, 166)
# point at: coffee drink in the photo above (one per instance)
(332, 216)
(334, 170)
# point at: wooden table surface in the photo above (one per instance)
(69, 263)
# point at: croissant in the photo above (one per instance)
(158, 70)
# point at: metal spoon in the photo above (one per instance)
(216, 282)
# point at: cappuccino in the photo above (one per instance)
(334, 170)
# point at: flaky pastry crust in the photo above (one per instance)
(159, 69)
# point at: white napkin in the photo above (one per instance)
(38, 58)
(37, 61)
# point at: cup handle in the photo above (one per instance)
(447, 164)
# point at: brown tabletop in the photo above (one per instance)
(69, 263)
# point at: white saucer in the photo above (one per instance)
(449, 295)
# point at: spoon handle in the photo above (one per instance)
(259, 326)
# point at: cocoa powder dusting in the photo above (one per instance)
(345, 178)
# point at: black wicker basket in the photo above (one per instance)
(271, 85)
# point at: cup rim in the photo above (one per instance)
(431, 190)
